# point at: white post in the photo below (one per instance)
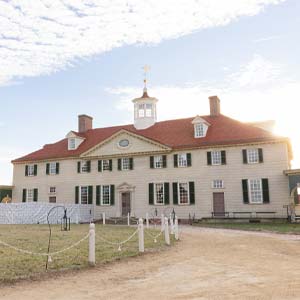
(147, 220)
(128, 219)
(176, 229)
(92, 256)
(171, 225)
(167, 235)
(141, 236)
(103, 218)
(162, 220)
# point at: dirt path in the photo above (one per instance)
(206, 264)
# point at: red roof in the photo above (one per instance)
(176, 134)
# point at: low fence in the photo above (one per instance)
(36, 213)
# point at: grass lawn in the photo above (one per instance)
(286, 228)
(15, 265)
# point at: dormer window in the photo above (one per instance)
(72, 144)
(199, 130)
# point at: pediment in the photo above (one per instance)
(198, 119)
(137, 145)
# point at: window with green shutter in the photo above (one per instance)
(47, 168)
(131, 163)
(76, 194)
(189, 159)
(176, 160)
(209, 158)
(90, 194)
(245, 191)
(265, 188)
(112, 194)
(24, 195)
(192, 192)
(98, 195)
(151, 193)
(35, 195)
(223, 157)
(26, 170)
(57, 168)
(151, 162)
(167, 193)
(99, 165)
(164, 161)
(175, 193)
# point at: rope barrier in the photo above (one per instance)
(154, 237)
(118, 243)
(41, 253)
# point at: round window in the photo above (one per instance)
(124, 143)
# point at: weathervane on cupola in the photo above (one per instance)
(144, 107)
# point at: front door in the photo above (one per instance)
(218, 204)
(125, 203)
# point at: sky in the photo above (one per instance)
(61, 58)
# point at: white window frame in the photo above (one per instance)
(155, 193)
(52, 168)
(199, 130)
(216, 158)
(125, 162)
(52, 198)
(148, 110)
(87, 194)
(84, 166)
(105, 166)
(217, 184)
(251, 154)
(30, 171)
(29, 195)
(259, 192)
(182, 160)
(71, 143)
(141, 110)
(158, 162)
(102, 195)
(188, 193)
(52, 190)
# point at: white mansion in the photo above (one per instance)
(204, 166)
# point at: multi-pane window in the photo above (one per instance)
(182, 160)
(216, 158)
(252, 156)
(199, 130)
(105, 165)
(52, 199)
(52, 190)
(183, 192)
(84, 195)
(30, 170)
(84, 166)
(52, 168)
(256, 193)
(159, 193)
(30, 195)
(126, 163)
(218, 184)
(105, 195)
(72, 144)
(158, 161)
(148, 110)
(141, 110)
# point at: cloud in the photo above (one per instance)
(260, 90)
(43, 36)
(268, 38)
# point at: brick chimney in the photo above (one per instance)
(214, 103)
(85, 123)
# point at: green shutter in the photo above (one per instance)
(98, 195)
(245, 191)
(119, 164)
(260, 154)
(223, 157)
(245, 159)
(99, 165)
(209, 158)
(57, 168)
(131, 163)
(35, 170)
(164, 161)
(151, 193)
(151, 162)
(167, 193)
(90, 194)
(175, 193)
(35, 195)
(88, 166)
(24, 195)
(175, 160)
(26, 170)
(76, 194)
(265, 187)
(78, 166)
(189, 159)
(110, 165)
(112, 195)
(192, 192)
(47, 168)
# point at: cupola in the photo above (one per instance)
(144, 110)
